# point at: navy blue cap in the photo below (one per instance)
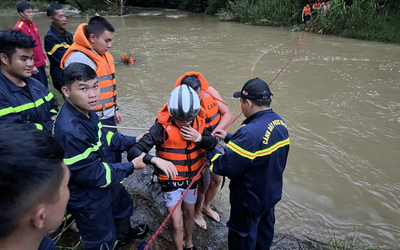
(254, 89)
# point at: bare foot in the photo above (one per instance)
(74, 227)
(211, 213)
(200, 221)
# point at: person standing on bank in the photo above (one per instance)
(34, 187)
(99, 202)
(181, 141)
(26, 25)
(23, 99)
(218, 117)
(255, 158)
(91, 44)
(56, 42)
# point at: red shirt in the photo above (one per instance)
(30, 29)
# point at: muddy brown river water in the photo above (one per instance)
(339, 97)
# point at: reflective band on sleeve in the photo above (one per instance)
(109, 137)
(213, 159)
(259, 153)
(84, 155)
(108, 175)
(26, 106)
(56, 47)
(20, 24)
(53, 111)
(39, 126)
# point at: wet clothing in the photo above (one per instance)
(255, 158)
(55, 45)
(105, 70)
(32, 104)
(39, 58)
(165, 135)
(98, 201)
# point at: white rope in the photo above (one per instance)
(131, 128)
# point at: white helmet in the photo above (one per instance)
(184, 103)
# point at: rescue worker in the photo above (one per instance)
(218, 117)
(306, 14)
(23, 99)
(99, 203)
(255, 158)
(34, 187)
(317, 5)
(26, 25)
(181, 139)
(91, 44)
(56, 42)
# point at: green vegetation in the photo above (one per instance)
(373, 20)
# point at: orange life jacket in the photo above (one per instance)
(317, 4)
(307, 11)
(105, 68)
(187, 156)
(327, 4)
(207, 101)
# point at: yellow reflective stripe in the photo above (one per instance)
(53, 111)
(108, 175)
(109, 137)
(212, 161)
(6, 111)
(56, 47)
(26, 106)
(84, 155)
(39, 126)
(263, 152)
(20, 24)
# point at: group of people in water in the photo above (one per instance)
(316, 6)
(58, 161)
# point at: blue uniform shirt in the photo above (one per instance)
(35, 108)
(56, 45)
(88, 154)
(255, 158)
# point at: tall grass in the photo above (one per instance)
(360, 20)
(263, 12)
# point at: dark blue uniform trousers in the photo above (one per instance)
(105, 220)
(260, 235)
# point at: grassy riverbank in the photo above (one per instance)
(361, 20)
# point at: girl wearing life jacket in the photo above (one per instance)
(181, 139)
(218, 117)
(306, 15)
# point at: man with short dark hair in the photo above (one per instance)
(34, 187)
(99, 202)
(91, 44)
(56, 42)
(255, 158)
(22, 99)
(26, 25)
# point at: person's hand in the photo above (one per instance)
(53, 118)
(220, 134)
(34, 70)
(166, 166)
(138, 162)
(140, 136)
(118, 117)
(190, 134)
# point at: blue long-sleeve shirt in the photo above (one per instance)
(88, 154)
